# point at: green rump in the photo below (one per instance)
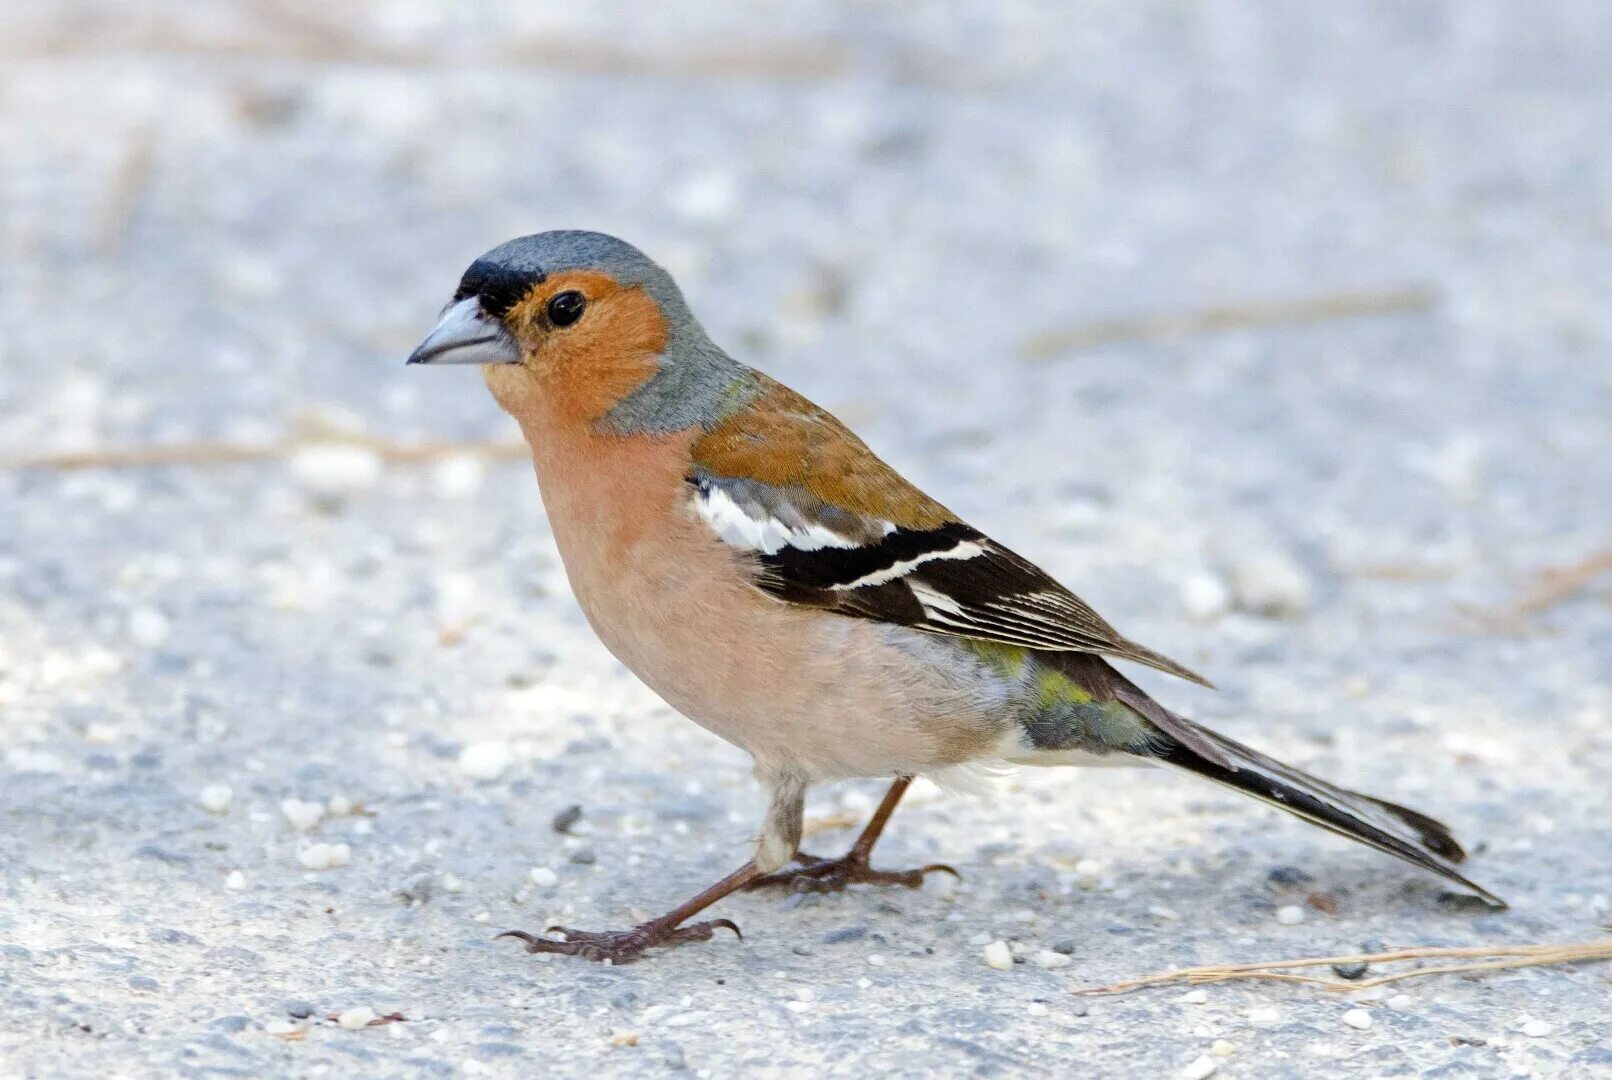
(1055, 711)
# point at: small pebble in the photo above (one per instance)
(1195, 997)
(1205, 597)
(459, 476)
(1202, 1066)
(566, 819)
(1538, 1029)
(1036, 1008)
(999, 956)
(324, 856)
(1088, 873)
(1264, 1014)
(1288, 877)
(1359, 1019)
(543, 877)
(451, 884)
(624, 1038)
(1401, 1002)
(482, 917)
(215, 798)
(1290, 915)
(339, 806)
(331, 473)
(356, 1018)
(1047, 958)
(235, 881)
(148, 627)
(1222, 1048)
(1350, 971)
(485, 760)
(302, 816)
(1271, 584)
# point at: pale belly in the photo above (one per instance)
(811, 694)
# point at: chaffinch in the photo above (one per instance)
(761, 569)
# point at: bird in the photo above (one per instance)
(762, 570)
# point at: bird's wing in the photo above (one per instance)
(832, 526)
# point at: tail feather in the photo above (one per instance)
(1386, 826)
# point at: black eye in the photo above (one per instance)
(566, 308)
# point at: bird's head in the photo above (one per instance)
(588, 322)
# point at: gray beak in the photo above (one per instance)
(467, 335)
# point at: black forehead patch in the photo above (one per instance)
(498, 285)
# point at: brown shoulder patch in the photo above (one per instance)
(784, 440)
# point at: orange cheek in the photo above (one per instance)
(587, 368)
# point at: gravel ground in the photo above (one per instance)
(1279, 333)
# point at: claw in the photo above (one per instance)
(620, 946)
(521, 935)
(834, 875)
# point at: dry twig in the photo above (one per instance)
(1487, 958)
(1171, 327)
(1561, 583)
(217, 453)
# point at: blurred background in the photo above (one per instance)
(1279, 332)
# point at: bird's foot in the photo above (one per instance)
(620, 946)
(820, 875)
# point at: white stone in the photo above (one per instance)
(324, 856)
(148, 627)
(1538, 1029)
(355, 1018)
(1195, 997)
(999, 956)
(1222, 1048)
(333, 472)
(458, 476)
(215, 798)
(1290, 915)
(485, 760)
(300, 815)
(1046, 958)
(235, 881)
(1205, 597)
(1359, 1019)
(543, 877)
(1202, 1067)
(1272, 584)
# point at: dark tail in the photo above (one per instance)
(1414, 837)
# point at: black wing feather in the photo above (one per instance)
(951, 580)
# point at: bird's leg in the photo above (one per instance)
(832, 875)
(625, 946)
(779, 839)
